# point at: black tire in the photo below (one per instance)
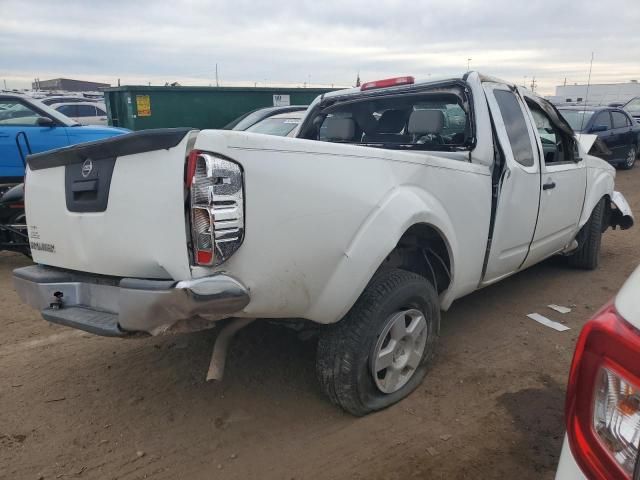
(589, 239)
(345, 349)
(630, 161)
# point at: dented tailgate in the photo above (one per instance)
(112, 207)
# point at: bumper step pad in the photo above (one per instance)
(92, 321)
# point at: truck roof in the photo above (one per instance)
(416, 83)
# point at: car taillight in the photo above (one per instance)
(217, 207)
(603, 398)
(388, 82)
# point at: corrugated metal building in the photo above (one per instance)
(598, 94)
(68, 85)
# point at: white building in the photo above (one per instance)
(598, 94)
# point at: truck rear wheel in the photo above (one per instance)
(381, 350)
(589, 238)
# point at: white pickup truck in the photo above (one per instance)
(395, 199)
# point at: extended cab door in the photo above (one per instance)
(564, 183)
(518, 193)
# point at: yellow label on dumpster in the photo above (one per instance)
(143, 105)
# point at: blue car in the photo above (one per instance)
(615, 127)
(29, 126)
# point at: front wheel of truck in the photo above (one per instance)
(381, 350)
(589, 238)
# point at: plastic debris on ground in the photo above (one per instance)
(547, 322)
(559, 308)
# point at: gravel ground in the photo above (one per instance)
(77, 406)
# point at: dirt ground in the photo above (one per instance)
(77, 406)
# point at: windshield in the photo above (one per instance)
(577, 119)
(426, 121)
(633, 105)
(21, 112)
(275, 126)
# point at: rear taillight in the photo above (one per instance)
(603, 398)
(217, 207)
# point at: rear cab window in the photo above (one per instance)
(421, 117)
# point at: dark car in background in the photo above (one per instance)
(614, 127)
(633, 108)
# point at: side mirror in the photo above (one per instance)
(599, 128)
(45, 122)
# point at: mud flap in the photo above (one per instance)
(620, 212)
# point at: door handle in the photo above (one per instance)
(549, 186)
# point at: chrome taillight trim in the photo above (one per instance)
(218, 188)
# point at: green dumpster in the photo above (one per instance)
(140, 107)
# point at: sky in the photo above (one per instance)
(318, 42)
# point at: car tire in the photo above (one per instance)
(395, 320)
(630, 161)
(589, 239)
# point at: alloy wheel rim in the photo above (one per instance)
(399, 350)
(631, 156)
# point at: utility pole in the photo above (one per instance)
(533, 84)
(469, 64)
(565, 82)
(5, 83)
(217, 82)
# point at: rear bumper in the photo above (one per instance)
(123, 306)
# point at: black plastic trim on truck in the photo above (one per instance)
(113, 147)
(88, 192)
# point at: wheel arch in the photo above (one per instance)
(600, 184)
(425, 250)
(406, 212)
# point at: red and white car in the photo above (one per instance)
(603, 394)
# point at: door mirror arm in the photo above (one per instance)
(45, 122)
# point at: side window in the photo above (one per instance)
(100, 112)
(14, 112)
(619, 120)
(602, 119)
(68, 110)
(516, 126)
(554, 144)
(86, 111)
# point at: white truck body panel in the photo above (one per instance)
(346, 222)
(140, 234)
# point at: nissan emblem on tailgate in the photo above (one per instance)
(87, 167)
